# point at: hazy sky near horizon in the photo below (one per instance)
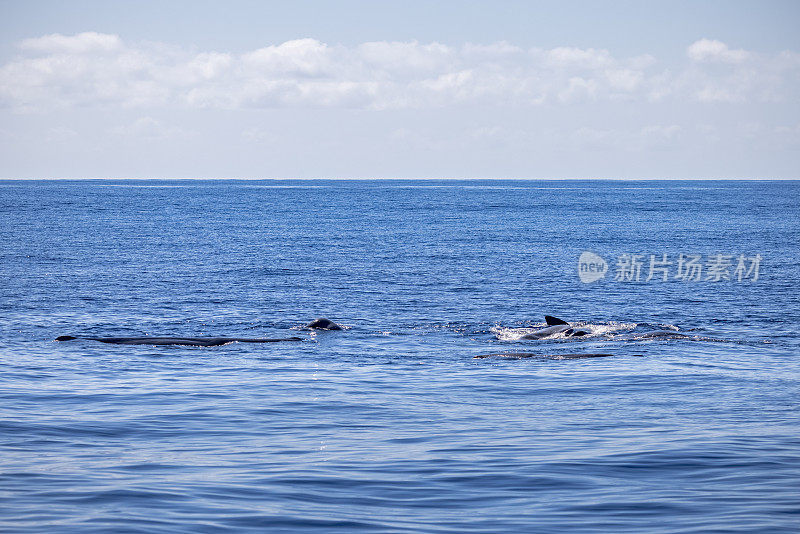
(358, 89)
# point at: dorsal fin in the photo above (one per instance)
(552, 321)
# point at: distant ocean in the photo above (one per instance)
(393, 425)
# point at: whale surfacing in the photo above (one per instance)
(316, 324)
(555, 326)
(187, 341)
(323, 324)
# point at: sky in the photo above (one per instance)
(379, 89)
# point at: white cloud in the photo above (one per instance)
(94, 69)
(404, 59)
(589, 58)
(579, 89)
(712, 50)
(300, 58)
(720, 74)
(624, 79)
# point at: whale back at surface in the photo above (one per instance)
(554, 326)
(323, 324)
(187, 341)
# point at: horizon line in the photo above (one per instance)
(447, 178)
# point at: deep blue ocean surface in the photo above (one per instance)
(393, 425)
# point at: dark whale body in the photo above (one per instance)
(555, 326)
(190, 341)
(316, 324)
(323, 324)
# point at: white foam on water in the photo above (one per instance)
(510, 334)
(605, 329)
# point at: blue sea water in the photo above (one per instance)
(393, 425)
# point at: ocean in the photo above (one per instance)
(690, 424)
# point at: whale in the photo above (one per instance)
(317, 324)
(322, 323)
(554, 327)
(188, 341)
(562, 329)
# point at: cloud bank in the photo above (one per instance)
(94, 69)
